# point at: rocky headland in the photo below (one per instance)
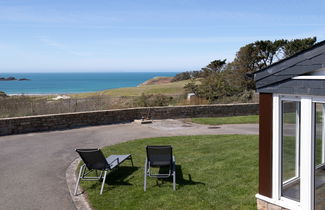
(12, 79)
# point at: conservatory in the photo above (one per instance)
(292, 132)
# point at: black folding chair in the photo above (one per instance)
(160, 157)
(94, 159)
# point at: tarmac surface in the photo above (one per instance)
(33, 166)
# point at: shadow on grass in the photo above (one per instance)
(180, 179)
(117, 177)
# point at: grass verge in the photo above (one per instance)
(227, 120)
(213, 172)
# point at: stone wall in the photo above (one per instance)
(72, 120)
(263, 205)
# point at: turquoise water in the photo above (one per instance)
(52, 83)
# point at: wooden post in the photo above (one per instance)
(265, 144)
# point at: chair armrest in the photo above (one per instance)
(117, 160)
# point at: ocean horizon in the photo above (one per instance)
(77, 82)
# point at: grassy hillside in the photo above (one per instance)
(173, 88)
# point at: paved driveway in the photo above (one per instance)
(33, 166)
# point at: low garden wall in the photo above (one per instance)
(72, 120)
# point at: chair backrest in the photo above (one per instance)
(93, 158)
(160, 155)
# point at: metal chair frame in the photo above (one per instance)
(109, 167)
(171, 172)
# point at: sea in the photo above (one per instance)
(65, 83)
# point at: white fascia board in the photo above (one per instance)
(309, 77)
(317, 74)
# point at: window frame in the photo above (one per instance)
(306, 154)
(322, 165)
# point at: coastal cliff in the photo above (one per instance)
(157, 81)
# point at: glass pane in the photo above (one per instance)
(319, 157)
(290, 150)
(318, 133)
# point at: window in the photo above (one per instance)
(290, 147)
(319, 154)
(293, 151)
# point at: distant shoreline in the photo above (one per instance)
(153, 81)
(58, 84)
(37, 94)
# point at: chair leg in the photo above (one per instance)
(104, 178)
(174, 180)
(132, 161)
(145, 176)
(80, 173)
(100, 175)
(174, 176)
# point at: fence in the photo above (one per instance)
(29, 106)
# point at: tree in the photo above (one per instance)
(214, 82)
(260, 54)
(192, 87)
(214, 66)
(219, 79)
(298, 45)
(214, 86)
(182, 76)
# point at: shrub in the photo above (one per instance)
(3, 94)
(153, 100)
(182, 76)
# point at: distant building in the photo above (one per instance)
(190, 95)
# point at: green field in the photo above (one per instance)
(173, 88)
(213, 172)
(227, 120)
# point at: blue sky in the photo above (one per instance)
(139, 35)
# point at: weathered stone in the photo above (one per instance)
(273, 207)
(261, 205)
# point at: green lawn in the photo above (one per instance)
(227, 120)
(213, 172)
(289, 118)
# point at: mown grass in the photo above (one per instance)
(173, 88)
(213, 172)
(227, 120)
